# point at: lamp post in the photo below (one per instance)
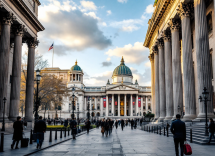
(73, 102)
(38, 78)
(3, 123)
(205, 99)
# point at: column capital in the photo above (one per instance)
(155, 50)
(19, 30)
(32, 42)
(174, 24)
(8, 18)
(166, 35)
(160, 43)
(185, 9)
(151, 58)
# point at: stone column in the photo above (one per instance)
(162, 80)
(112, 109)
(202, 57)
(101, 106)
(137, 109)
(146, 97)
(141, 106)
(131, 107)
(125, 106)
(157, 95)
(151, 58)
(107, 111)
(95, 106)
(29, 101)
(85, 104)
(188, 69)
(168, 75)
(91, 107)
(16, 73)
(7, 20)
(118, 104)
(176, 66)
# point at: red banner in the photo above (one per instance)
(115, 103)
(139, 101)
(133, 101)
(104, 102)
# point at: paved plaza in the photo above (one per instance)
(121, 143)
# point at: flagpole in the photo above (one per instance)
(53, 55)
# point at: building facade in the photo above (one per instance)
(181, 42)
(120, 99)
(18, 24)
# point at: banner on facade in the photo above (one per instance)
(133, 99)
(104, 102)
(115, 103)
(139, 101)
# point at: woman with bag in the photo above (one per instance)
(106, 125)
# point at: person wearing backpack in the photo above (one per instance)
(211, 130)
(178, 130)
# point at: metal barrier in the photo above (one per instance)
(191, 137)
(65, 132)
(61, 131)
(56, 134)
(31, 137)
(50, 136)
(2, 143)
(164, 131)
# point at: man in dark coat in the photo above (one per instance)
(87, 124)
(17, 134)
(122, 124)
(111, 126)
(211, 130)
(40, 129)
(116, 124)
(178, 130)
(132, 123)
(73, 126)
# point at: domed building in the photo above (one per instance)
(123, 98)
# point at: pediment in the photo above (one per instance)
(122, 87)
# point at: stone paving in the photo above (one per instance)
(121, 143)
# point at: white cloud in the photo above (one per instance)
(108, 59)
(148, 64)
(88, 5)
(109, 12)
(92, 14)
(136, 54)
(150, 9)
(122, 1)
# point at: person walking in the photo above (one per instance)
(111, 126)
(107, 126)
(103, 127)
(178, 130)
(132, 123)
(122, 124)
(135, 124)
(17, 134)
(40, 129)
(73, 126)
(116, 124)
(66, 122)
(87, 124)
(211, 130)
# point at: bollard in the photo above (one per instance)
(157, 129)
(149, 129)
(31, 137)
(65, 132)
(167, 132)
(164, 131)
(160, 130)
(61, 133)
(68, 131)
(191, 137)
(56, 134)
(143, 128)
(50, 136)
(2, 143)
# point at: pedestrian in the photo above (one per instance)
(178, 130)
(40, 129)
(135, 124)
(132, 123)
(87, 124)
(66, 122)
(126, 122)
(103, 127)
(116, 124)
(111, 126)
(122, 124)
(54, 122)
(73, 126)
(211, 130)
(107, 126)
(17, 134)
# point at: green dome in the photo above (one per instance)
(122, 69)
(76, 67)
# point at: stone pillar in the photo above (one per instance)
(188, 69)
(125, 106)
(118, 104)
(29, 102)
(95, 106)
(146, 97)
(107, 111)
(7, 20)
(204, 72)
(16, 73)
(112, 109)
(85, 104)
(101, 106)
(137, 109)
(162, 80)
(168, 75)
(176, 66)
(91, 107)
(151, 58)
(131, 107)
(157, 95)
(141, 106)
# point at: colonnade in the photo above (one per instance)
(166, 65)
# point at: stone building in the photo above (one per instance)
(18, 24)
(123, 98)
(181, 42)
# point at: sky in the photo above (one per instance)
(96, 33)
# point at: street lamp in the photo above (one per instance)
(3, 123)
(73, 102)
(38, 78)
(205, 99)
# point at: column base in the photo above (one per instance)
(161, 119)
(188, 117)
(201, 117)
(168, 118)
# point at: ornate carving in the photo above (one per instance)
(151, 57)
(174, 24)
(19, 30)
(8, 18)
(32, 42)
(155, 50)
(160, 43)
(185, 9)
(166, 35)
(1, 4)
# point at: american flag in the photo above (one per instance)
(51, 47)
